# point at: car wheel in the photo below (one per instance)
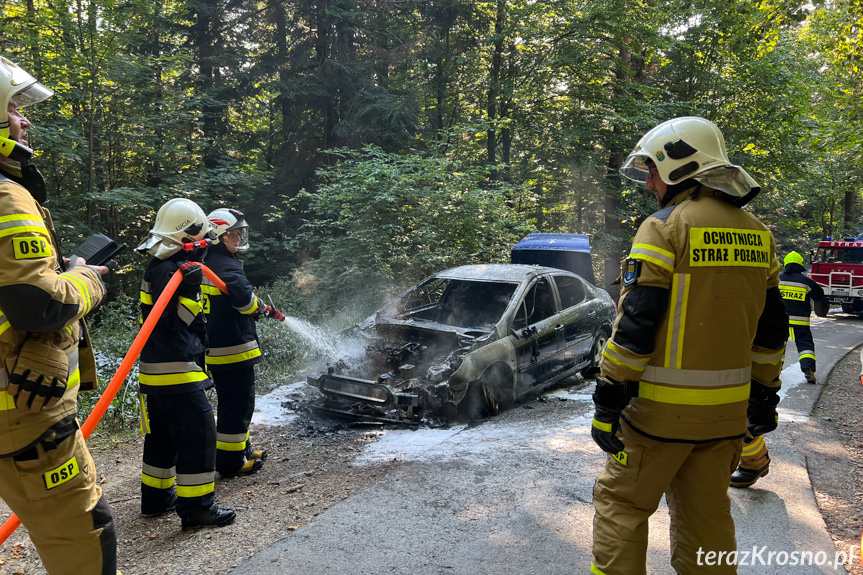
(489, 395)
(592, 370)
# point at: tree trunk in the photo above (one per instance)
(494, 81)
(849, 219)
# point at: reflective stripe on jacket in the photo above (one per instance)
(695, 359)
(38, 299)
(231, 330)
(798, 291)
(172, 360)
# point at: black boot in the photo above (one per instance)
(745, 477)
(209, 517)
(249, 467)
(809, 373)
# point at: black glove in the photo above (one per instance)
(610, 398)
(273, 313)
(37, 375)
(606, 424)
(761, 411)
(192, 274)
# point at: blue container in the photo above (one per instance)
(569, 252)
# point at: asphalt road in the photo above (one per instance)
(513, 496)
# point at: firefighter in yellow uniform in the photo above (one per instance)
(696, 348)
(47, 476)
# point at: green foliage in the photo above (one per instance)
(407, 137)
(384, 220)
(113, 329)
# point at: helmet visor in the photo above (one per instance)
(32, 94)
(237, 238)
(635, 168)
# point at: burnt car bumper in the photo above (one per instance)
(352, 389)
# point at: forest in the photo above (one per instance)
(373, 142)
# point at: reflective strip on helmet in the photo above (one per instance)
(195, 484)
(20, 223)
(677, 327)
(82, 289)
(753, 448)
(770, 359)
(251, 307)
(612, 352)
(682, 396)
(698, 377)
(662, 258)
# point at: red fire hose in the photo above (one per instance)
(125, 367)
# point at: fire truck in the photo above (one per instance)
(837, 266)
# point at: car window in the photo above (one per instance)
(535, 306)
(422, 301)
(570, 290)
(458, 303)
(474, 303)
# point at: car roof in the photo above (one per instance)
(497, 272)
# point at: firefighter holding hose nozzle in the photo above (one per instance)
(234, 350)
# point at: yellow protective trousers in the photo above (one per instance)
(754, 455)
(55, 496)
(694, 478)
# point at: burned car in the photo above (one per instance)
(470, 341)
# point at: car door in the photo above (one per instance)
(539, 340)
(576, 318)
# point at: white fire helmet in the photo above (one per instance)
(16, 84)
(179, 221)
(689, 147)
(225, 220)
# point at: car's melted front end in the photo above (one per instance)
(404, 375)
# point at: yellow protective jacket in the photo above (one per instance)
(38, 299)
(700, 316)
